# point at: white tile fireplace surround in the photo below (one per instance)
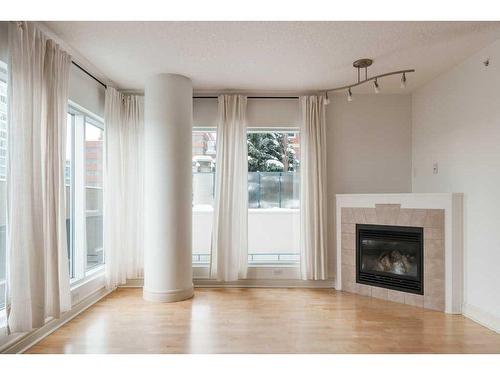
(439, 216)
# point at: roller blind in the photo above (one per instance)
(86, 92)
(4, 41)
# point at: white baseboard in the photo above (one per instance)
(482, 317)
(169, 295)
(249, 283)
(133, 283)
(26, 341)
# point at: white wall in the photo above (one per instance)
(369, 149)
(261, 113)
(370, 144)
(456, 123)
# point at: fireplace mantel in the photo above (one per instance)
(393, 209)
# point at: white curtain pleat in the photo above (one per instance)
(229, 255)
(57, 66)
(38, 274)
(313, 218)
(124, 118)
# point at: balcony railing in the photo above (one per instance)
(265, 189)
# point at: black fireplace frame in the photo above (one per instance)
(401, 283)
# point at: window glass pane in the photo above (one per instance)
(203, 194)
(273, 197)
(68, 182)
(94, 151)
(3, 179)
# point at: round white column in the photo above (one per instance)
(168, 111)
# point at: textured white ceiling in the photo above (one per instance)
(268, 56)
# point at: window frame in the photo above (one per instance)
(92, 121)
(4, 173)
(201, 265)
(71, 199)
(256, 271)
(80, 117)
(274, 267)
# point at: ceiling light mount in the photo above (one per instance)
(364, 64)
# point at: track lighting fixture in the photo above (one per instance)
(364, 64)
(403, 81)
(327, 100)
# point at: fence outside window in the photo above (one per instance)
(265, 189)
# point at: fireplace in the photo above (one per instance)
(390, 257)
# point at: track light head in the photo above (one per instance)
(327, 100)
(364, 64)
(349, 95)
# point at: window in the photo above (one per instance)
(3, 181)
(68, 183)
(94, 149)
(203, 194)
(84, 192)
(273, 197)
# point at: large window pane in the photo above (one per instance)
(94, 143)
(203, 159)
(84, 192)
(273, 197)
(3, 180)
(68, 182)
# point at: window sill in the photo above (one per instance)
(80, 290)
(90, 284)
(90, 275)
(271, 265)
(75, 287)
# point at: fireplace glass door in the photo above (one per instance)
(390, 257)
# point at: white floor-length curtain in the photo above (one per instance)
(313, 219)
(124, 120)
(38, 273)
(229, 255)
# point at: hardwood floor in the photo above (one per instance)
(254, 320)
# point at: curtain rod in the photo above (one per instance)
(89, 74)
(194, 97)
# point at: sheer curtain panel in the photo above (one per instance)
(124, 118)
(313, 235)
(38, 277)
(229, 256)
